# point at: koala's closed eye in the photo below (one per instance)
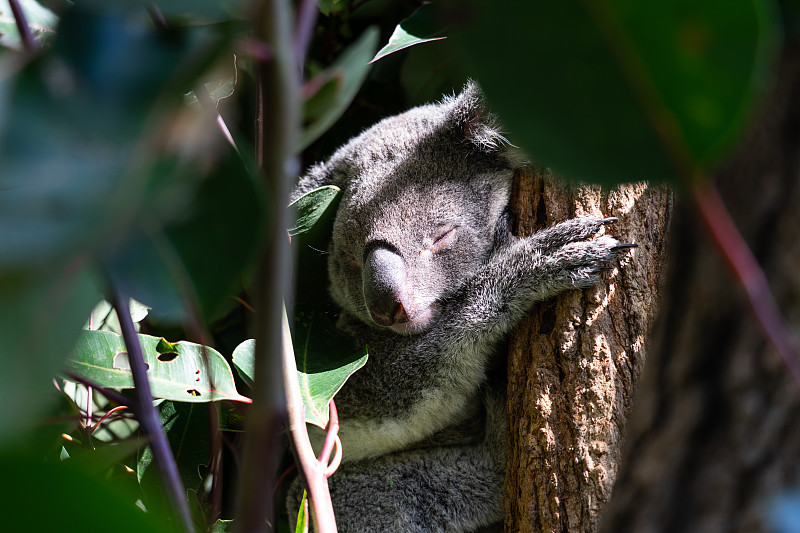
(446, 237)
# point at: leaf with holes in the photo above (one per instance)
(181, 371)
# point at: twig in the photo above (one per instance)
(306, 20)
(25, 35)
(105, 416)
(312, 470)
(148, 417)
(331, 440)
(740, 258)
(276, 128)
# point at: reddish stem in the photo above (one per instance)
(740, 258)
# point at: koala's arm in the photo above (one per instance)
(531, 269)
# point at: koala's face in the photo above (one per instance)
(400, 248)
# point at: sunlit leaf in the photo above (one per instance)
(420, 27)
(302, 519)
(192, 373)
(244, 360)
(311, 206)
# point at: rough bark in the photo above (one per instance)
(575, 362)
(714, 437)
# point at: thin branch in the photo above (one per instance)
(148, 417)
(306, 21)
(25, 35)
(331, 435)
(740, 258)
(311, 470)
(277, 124)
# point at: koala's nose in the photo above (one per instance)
(384, 278)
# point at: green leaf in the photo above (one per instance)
(621, 90)
(203, 255)
(41, 313)
(311, 206)
(222, 526)
(192, 373)
(340, 82)
(244, 360)
(187, 426)
(54, 496)
(420, 27)
(89, 141)
(325, 360)
(302, 519)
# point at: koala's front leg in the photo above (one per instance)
(575, 229)
(532, 269)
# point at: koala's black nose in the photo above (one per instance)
(384, 277)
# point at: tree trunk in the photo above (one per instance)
(714, 438)
(575, 362)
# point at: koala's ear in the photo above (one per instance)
(470, 116)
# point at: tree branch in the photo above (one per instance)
(311, 470)
(277, 123)
(148, 417)
(24, 30)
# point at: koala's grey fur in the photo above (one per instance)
(428, 275)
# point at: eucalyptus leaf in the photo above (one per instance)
(420, 27)
(311, 206)
(41, 313)
(302, 519)
(192, 373)
(53, 496)
(244, 360)
(349, 71)
(325, 360)
(621, 90)
(187, 428)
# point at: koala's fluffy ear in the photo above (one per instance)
(470, 115)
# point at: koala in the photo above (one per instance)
(427, 274)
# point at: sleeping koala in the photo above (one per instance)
(429, 276)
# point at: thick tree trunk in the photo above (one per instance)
(574, 364)
(714, 437)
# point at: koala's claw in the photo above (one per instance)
(623, 246)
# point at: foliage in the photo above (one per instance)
(114, 173)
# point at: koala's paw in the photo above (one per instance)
(583, 261)
(575, 229)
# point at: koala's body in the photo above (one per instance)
(428, 275)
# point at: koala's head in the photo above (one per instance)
(423, 208)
